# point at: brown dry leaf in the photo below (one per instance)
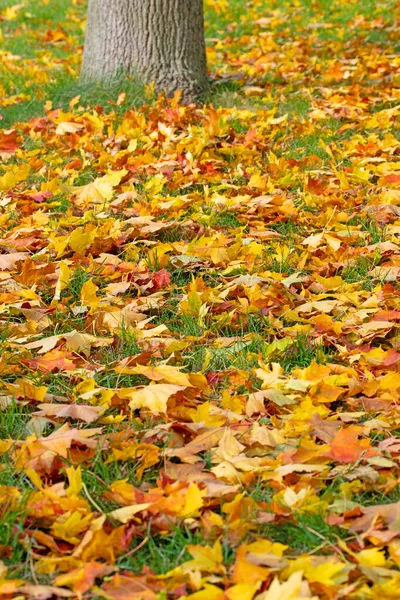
(80, 412)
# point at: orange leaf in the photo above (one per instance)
(347, 446)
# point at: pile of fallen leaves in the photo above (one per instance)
(199, 316)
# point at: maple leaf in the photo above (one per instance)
(23, 388)
(81, 238)
(70, 527)
(205, 558)
(154, 397)
(63, 280)
(53, 361)
(41, 454)
(292, 589)
(9, 261)
(193, 501)
(127, 586)
(209, 592)
(8, 143)
(81, 580)
(161, 279)
(164, 373)
(75, 340)
(126, 514)
(81, 412)
(371, 557)
(88, 295)
(13, 176)
(98, 191)
(347, 446)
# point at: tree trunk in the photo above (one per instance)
(163, 40)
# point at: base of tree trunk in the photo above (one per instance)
(161, 40)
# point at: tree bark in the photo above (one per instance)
(162, 40)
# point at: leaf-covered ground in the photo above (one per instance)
(200, 312)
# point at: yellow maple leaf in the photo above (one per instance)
(292, 589)
(63, 280)
(166, 373)
(88, 295)
(14, 175)
(325, 573)
(154, 397)
(266, 547)
(155, 184)
(242, 591)
(81, 238)
(208, 559)
(390, 381)
(371, 557)
(99, 191)
(83, 342)
(75, 481)
(202, 415)
(126, 514)
(25, 389)
(192, 304)
(209, 592)
(269, 374)
(258, 182)
(70, 526)
(193, 501)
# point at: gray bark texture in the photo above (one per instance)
(162, 40)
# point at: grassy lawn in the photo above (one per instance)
(199, 312)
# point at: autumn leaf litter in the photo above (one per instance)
(199, 327)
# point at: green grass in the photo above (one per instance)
(301, 353)
(359, 269)
(163, 552)
(60, 93)
(13, 422)
(306, 533)
(75, 285)
(373, 497)
(303, 146)
(12, 509)
(298, 105)
(12, 530)
(227, 219)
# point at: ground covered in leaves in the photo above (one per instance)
(200, 312)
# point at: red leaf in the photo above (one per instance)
(161, 279)
(8, 142)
